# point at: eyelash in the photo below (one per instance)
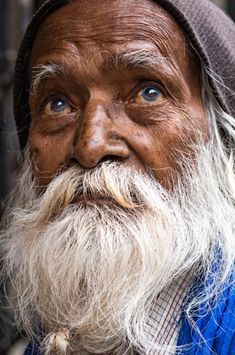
(45, 100)
(144, 83)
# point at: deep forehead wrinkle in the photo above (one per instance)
(111, 24)
(164, 39)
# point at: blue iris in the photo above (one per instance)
(150, 93)
(58, 105)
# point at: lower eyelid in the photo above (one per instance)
(49, 111)
(155, 102)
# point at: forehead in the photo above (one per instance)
(87, 28)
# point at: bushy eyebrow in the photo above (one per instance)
(44, 71)
(141, 59)
(134, 59)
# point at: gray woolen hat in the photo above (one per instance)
(209, 30)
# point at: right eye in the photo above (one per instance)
(57, 106)
(149, 94)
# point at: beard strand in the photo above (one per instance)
(96, 268)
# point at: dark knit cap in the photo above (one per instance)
(209, 30)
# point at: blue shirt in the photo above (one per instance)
(215, 327)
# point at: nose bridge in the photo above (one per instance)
(95, 125)
(96, 138)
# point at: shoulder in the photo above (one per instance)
(212, 328)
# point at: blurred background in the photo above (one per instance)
(14, 17)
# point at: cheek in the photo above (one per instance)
(161, 145)
(160, 156)
(49, 154)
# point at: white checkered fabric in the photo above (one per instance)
(163, 325)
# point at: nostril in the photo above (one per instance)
(73, 161)
(110, 158)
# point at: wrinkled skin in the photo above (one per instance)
(105, 115)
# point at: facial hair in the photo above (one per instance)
(95, 265)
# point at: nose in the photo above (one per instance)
(97, 138)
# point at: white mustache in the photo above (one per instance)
(109, 182)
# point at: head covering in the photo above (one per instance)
(209, 30)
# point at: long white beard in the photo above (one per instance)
(96, 268)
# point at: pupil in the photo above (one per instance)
(150, 93)
(58, 105)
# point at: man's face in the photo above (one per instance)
(119, 84)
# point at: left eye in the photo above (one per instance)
(149, 95)
(57, 106)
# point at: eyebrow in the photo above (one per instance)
(44, 71)
(139, 59)
(144, 59)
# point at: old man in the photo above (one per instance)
(119, 237)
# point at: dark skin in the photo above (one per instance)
(136, 115)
